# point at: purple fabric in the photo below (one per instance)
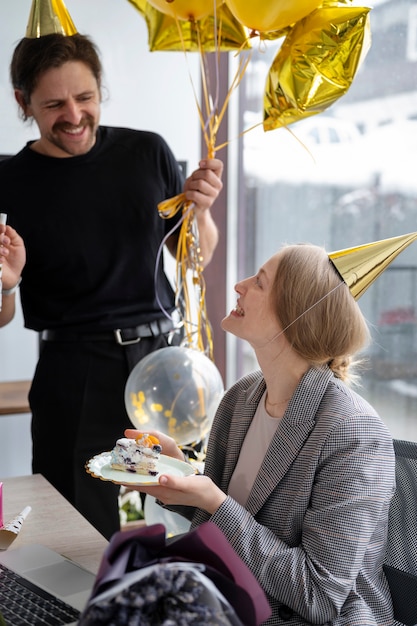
(132, 550)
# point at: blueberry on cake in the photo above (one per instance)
(139, 456)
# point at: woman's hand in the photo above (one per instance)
(168, 444)
(196, 491)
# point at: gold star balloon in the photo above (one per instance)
(316, 63)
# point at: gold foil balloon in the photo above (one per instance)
(186, 9)
(270, 15)
(174, 390)
(220, 32)
(48, 17)
(141, 6)
(361, 265)
(316, 64)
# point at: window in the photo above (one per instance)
(360, 186)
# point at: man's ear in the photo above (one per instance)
(20, 99)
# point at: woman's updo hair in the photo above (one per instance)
(320, 317)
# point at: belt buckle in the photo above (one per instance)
(124, 342)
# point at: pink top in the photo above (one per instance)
(254, 448)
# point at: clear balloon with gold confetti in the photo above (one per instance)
(175, 390)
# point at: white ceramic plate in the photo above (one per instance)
(99, 467)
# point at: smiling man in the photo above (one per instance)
(66, 106)
(82, 204)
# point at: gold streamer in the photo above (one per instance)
(189, 262)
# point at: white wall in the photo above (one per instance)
(148, 90)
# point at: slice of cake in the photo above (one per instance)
(139, 456)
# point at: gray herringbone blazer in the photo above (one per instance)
(314, 528)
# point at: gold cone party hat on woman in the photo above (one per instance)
(48, 17)
(361, 265)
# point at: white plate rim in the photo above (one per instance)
(98, 467)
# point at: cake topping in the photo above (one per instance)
(147, 441)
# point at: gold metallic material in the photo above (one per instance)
(220, 32)
(189, 261)
(361, 265)
(270, 15)
(189, 10)
(316, 63)
(48, 17)
(315, 66)
(197, 328)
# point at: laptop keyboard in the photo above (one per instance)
(24, 604)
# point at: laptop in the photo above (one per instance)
(62, 586)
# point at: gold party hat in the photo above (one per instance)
(48, 17)
(361, 265)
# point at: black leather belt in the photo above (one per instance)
(123, 336)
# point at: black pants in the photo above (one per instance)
(78, 411)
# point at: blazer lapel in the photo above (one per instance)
(239, 426)
(295, 427)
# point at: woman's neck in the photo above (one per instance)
(282, 378)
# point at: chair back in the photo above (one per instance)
(401, 558)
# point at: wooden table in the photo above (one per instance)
(53, 521)
(14, 397)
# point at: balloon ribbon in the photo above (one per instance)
(189, 262)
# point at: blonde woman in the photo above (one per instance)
(300, 469)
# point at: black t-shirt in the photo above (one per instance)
(92, 230)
